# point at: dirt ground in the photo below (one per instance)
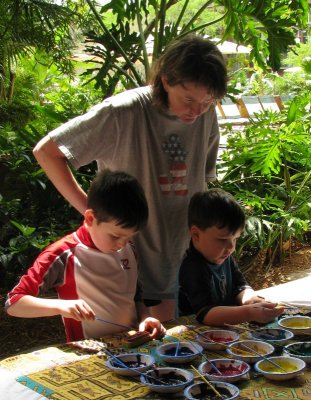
(18, 335)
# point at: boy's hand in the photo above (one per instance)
(265, 312)
(154, 326)
(76, 309)
(255, 299)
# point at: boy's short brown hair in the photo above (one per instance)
(215, 207)
(116, 195)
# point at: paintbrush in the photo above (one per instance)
(207, 382)
(210, 362)
(136, 339)
(293, 306)
(205, 338)
(177, 344)
(129, 328)
(203, 355)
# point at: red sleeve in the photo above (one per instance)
(46, 273)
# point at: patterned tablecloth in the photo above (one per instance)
(67, 373)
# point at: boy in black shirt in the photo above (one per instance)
(211, 284)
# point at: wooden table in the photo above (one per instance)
(65, 373)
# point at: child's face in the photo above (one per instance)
(214, 244)
(108, 237)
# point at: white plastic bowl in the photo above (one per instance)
(176, 379)
(242, 350)
(231, 370)
(291, 364)
(197, 390)
(217, 339)
(300, 350)
(136, 363)
(179, 352)
(298, 324)
(276, 336)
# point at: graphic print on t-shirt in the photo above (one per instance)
(174, 181)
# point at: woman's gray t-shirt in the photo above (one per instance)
(172, 160)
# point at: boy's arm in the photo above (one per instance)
(146, 322)
(263, 313)
(46, 273)
(248, 296)
(34, 307)
(56, 167)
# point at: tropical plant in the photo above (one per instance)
(32, 212)
(296, 58)
(127, 46)
(30, 25)
(267, 167)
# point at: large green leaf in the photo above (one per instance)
(269, 27)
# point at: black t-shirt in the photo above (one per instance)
(203, 285)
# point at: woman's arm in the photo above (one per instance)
(56, 167)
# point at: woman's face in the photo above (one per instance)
(188, 100)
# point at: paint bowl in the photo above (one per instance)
(250, 350)
(298, 324)
(274, 336)
(130, 364)
(174, 379)
(217, 339)
(230, 370)
(203, 391)
(179, 352)
(292, 365)
(300, 350)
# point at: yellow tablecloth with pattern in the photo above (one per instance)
(67, 373)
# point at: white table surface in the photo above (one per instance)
(12, 390)
(41, 359)
(296, 292)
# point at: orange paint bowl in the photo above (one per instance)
(250, 351)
